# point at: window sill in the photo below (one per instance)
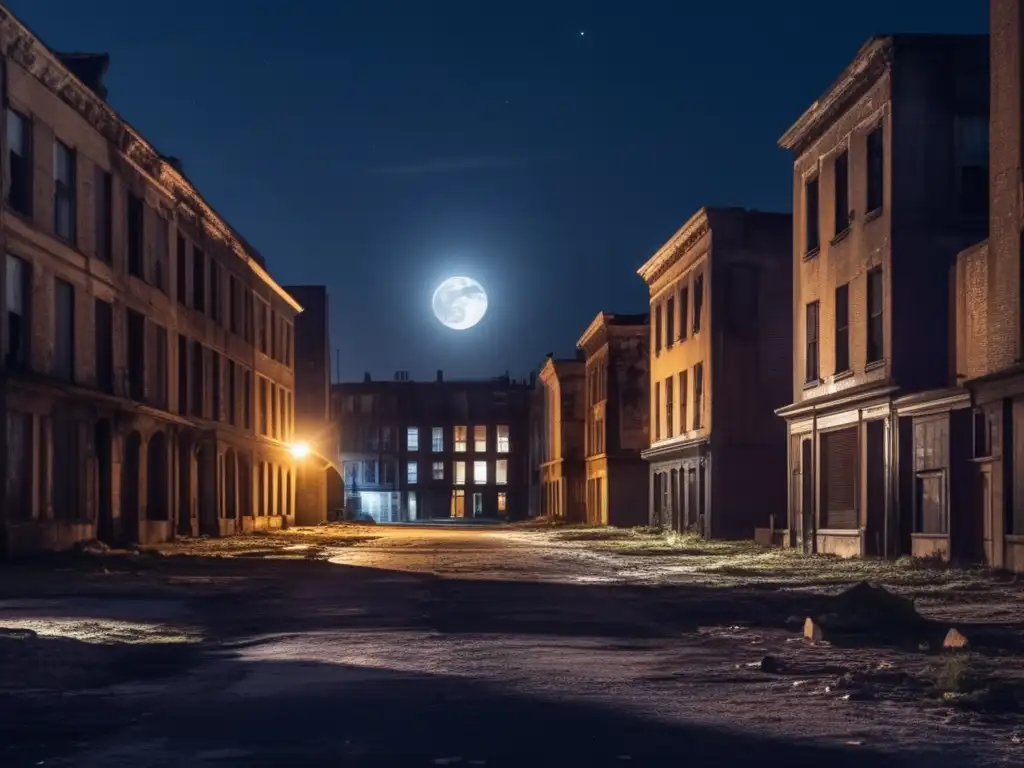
(872, 215)
(808, 255)
(874, 365)
(843, 374)
(840, 236)
(812, 384)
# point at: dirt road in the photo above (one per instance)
(435, 646)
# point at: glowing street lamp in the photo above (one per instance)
(299, 450)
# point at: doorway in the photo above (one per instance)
(102, 438)
(130, 487)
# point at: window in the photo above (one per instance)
(670, 322)
(198, 279)
(160, 234)
(247, 399)
(136, 352)
(437, 439)
(478, 504)
(698, 395)
(63, 191)
(842, 193)
(811, 343)
(18, 485)
(698, 301)
(842, 328)
(876, 329)
(460, 473)
(480, 472)
(103, 333)
(480, 438)
(216, 383)
(411, 505)
(104, 197)
(460, 439)
(657, 329)
(263, 321)
(501, 472)
(199, 385)
(234, 305)
(64, 330)
(181, 268)
(160, 367)
(503, 438)
(232, 393)
(876, 169)
(812, 230)
(19, 163)
(412, 470)
(458, 506)
(412, 439)
(18, 317)
(247, 319)
(135, 213)
(182, 374)
(215, 308)
(668, 407)
(931, 503)
(437, 471)
(683, 394)
(684, 310)
(502, 502)
(657, 411)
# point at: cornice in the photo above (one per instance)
(595, 327)
(18, 44)
(678, 245)
(872, 60)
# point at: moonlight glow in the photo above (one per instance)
(460, 302)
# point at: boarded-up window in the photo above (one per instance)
(839, 473)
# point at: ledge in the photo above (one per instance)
(873, 214)
(843, 374)
(813, 252)
(841, 235)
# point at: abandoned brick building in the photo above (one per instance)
(415, 450)
(989, 312)
(558, 449)
(889, 184)
(617, 419)
(720, 295)
(148, 367)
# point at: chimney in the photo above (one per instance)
(366, 378)
(89, 68)
(175, 163)
(440, 375)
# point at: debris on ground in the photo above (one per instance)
(955, 640)
(813, 631)
(91, 547)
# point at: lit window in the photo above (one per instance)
(480, 438)
(503, 441)
(437, 439)
(460, 439)
(502, 502)
(411, 472)
(480, 472)
(460, 473)
(412, 439)
(501, 472)
(478, 504)
(438, 473)
(411, 506)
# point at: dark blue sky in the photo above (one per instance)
(378, 146)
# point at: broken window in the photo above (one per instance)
(19, 163)
(63, 192)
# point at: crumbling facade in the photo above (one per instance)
(720, 297)
(889, 178)
(561, 384)
(148, 371)
(422, 450)
(617, 419)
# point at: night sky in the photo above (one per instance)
(379, 146)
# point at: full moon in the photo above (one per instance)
(460, 302)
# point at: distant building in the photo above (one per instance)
(318, 488)
(148, 372)
(721, 325)
(561, 402)
(890, 178)
(617, 419)
(415, 450)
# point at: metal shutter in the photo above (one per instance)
(839, 472)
